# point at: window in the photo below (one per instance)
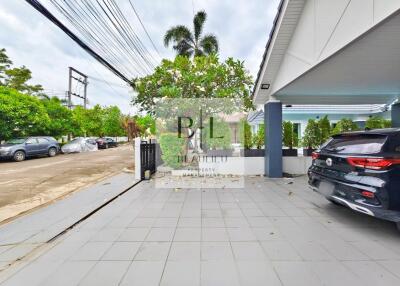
(43, 141)
(356, 144)
(31, 141)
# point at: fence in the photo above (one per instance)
(146, 157)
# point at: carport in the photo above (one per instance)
(328, 53)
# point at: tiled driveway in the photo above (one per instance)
(272, 232)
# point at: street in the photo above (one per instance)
(36, 181)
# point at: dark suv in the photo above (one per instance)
(20, 148)
(361, 170)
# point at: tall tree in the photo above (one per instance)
(5, 63)
(113, 122)
(188, 43)
(16, 78)
(21, 114)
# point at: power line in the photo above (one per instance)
(144, 28)
(40, 8)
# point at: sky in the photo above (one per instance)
(241, 26)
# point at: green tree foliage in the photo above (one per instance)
(376, 122)
(188, 43)
(325, 126)
(16, 78)
(147, 125)
(112, 122)
(61, 119)
(21, 114)
(173, 148)
(221, 135)
(245, 134)
(312, 135)
(204, 77)
(91, 121)
(5, 64)
(288, 136)
(345, 125)
(259, 137)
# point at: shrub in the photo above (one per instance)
(312, 135)
(245, 134)
(345, 125)
(288, 137)
(172, 148)
(221, 135)
(376, 122)
(325, 126)
(259, 137)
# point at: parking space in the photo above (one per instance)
(28, 184)
(271, 232)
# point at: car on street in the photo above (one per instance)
(80, 144)
(19, 149)
(360, 170)
(106, 142)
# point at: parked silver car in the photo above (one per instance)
(80, 144)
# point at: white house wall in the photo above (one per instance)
(325, 27)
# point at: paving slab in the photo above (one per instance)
(271, 232)
(28, 232)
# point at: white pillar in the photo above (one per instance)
(138, 170)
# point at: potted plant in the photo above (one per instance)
(259, 142)
(312, 137)
(289, 139)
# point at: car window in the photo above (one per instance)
(356, 144)
(43, 141)
(16, 141)
(31, 141)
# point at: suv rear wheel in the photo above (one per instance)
(19, 156)
(52, 152)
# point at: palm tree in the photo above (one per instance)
(187, 43)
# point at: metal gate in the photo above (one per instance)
(147, 157)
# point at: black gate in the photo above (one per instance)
(147, 157)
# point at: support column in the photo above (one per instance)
(396, 115)
(273, 139)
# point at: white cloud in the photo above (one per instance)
(242, 27)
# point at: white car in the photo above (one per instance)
(80, 144)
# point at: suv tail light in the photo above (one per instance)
(372, 163)
(314, 155)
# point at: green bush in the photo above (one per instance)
(173, 148)
(246, 137)
(345, 125)
(312, 135)
(221, 135)
(259, 137)
(325, 126)
(376, 122)
(289, 138)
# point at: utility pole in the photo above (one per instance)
(73, 77)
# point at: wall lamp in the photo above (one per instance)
(265, 86)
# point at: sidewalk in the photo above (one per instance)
(28, 232)
(272, 232)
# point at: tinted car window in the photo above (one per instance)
(16, 141)
(358, 144)
(42, 141)
(31, 141)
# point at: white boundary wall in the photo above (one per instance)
(255, 166)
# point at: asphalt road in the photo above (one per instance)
(48, 178)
